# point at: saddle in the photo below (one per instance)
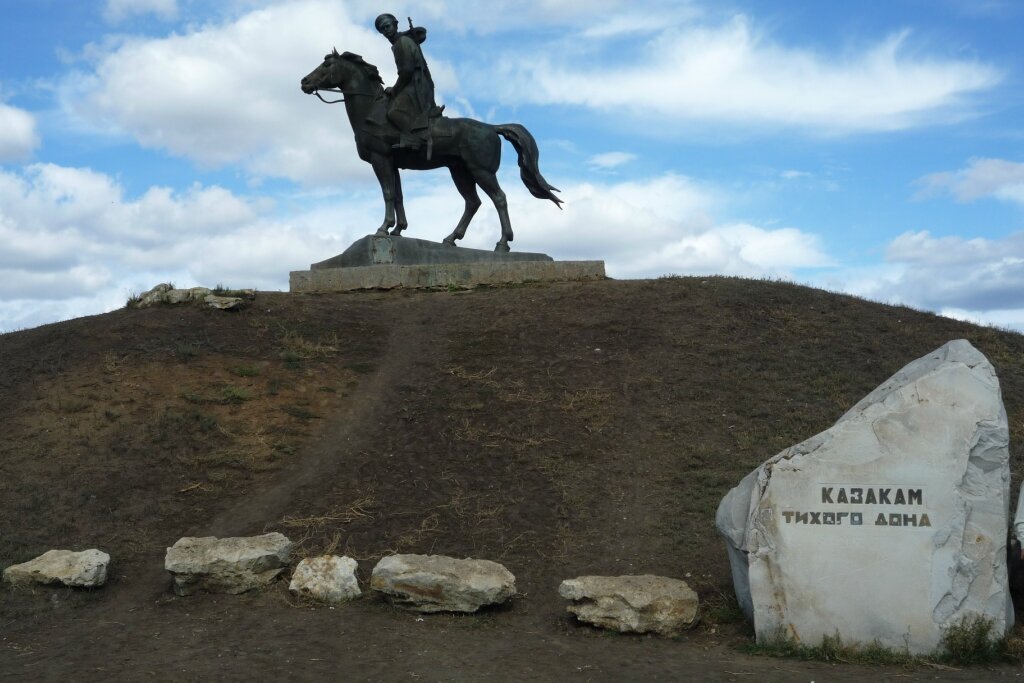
(423, 133)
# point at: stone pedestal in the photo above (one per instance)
(891, 525)
(389, 262)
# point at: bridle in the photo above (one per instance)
(344, 93)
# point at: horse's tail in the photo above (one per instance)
(529, 158)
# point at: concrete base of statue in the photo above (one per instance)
(389, 262)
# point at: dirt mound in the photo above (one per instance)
(559, 429)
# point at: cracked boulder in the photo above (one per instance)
(632, 604)
(329, 579)
(226, 565)
(890, 526)
(435, 583)
(85, 569)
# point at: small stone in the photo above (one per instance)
(224, 303)
(226, 565)
(435, 583)
(633, 604)
(184, 296)
(329, 579)
(85, 569)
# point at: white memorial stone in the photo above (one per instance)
(890, 526)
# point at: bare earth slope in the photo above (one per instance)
(559, 429)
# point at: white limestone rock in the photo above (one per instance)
(890, 525)
(226, 565)
(85, 569)
(224, 303)
(435, 583)
(329, 579)
(633, 604)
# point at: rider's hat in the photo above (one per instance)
(379, 22)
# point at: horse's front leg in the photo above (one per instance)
(399, 204)
(384, 168)
(467, 188)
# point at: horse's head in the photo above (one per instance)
(330, 74)
(348, 72)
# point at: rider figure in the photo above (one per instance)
(411, 100)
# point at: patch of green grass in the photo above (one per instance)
(234, 395)
(72, 404)
(833, 649)
(295, 347)
(970, 642)
(186, 350)
(245, 371)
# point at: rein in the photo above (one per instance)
(345, 93)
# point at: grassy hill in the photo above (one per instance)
(559, 429)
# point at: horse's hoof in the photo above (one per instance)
(448, 242)
(381, 232)
(501, 246)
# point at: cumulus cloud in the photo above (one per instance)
(118, 10)
(733, 73)
(228, 93)
(18, 136)
(75, 244)
(982, 178)
(983, 277)
(640, 228)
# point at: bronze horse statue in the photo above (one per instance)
(471, 150)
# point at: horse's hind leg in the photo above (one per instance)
(467, 188)
(488, 182)
(384, 169)
(402, 223)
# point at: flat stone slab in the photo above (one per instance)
(226, 565)
(330, 579)
(85, 569)
(409, 251)
(435, 583)
(632, 604)
(890, 526)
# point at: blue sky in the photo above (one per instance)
(875, 148)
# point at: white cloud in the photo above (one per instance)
(78, 245)
(18, 136)
(118, 10)
(982, 178)
(641, 228)
(610, 160)
(74, 243)
(228, 93)
(983, 276)
(732, 73)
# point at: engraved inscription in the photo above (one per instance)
(891, 496)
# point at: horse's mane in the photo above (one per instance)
(369, 69)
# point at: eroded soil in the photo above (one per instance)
(559, 429)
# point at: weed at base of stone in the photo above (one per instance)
(968, 643)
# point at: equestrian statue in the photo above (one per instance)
(402, 127)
